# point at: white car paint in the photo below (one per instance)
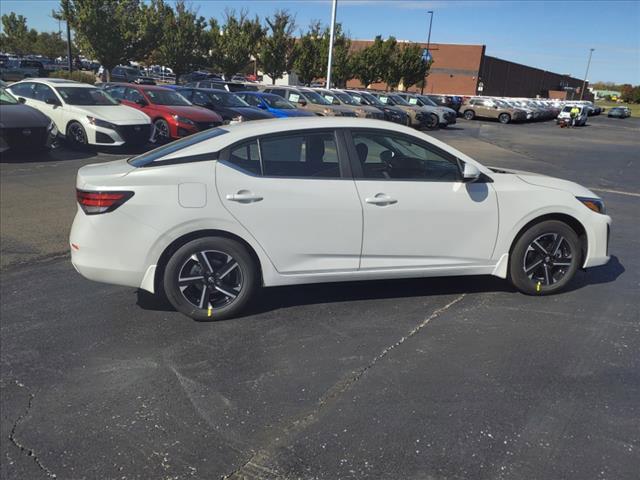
(319, 230)
(62, 115)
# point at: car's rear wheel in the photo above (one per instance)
(161, 133)
(545, 258)
(76, 135)
(469, 114)
(504, 118)
(210, 278)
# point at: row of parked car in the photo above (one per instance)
(119, 113)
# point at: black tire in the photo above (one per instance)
(162, 134)
(504, 118)
(239, 281)
(547, 267)
(432, 122)
(469, 114)
(76, 136)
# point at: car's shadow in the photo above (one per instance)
(274, 298)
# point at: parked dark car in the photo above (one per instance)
(229, 106)
(23, 127)
(391, 113)
(125, 74)
(450, 101)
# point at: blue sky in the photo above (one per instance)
(553, 35)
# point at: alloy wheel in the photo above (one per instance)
(161, 131)
(210, 279)
(77, 134)
(547, 259)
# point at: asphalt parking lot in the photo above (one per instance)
(456, 378)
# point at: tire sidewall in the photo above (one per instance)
(504, 118)
(469, 114)
(517, 275)
(226, 245)
(158, 138)
(72, 141)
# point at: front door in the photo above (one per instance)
(417, 211)
(294, 194)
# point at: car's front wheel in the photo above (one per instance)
(545, 258)
(76, 135)
(469, 114)
(432, 121)
(162, 134)
(210, 278)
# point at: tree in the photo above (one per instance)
(277, 51)
(369, 63)
(342, 61)
(233, 43)
(626, 93)
(412, 69)
(307, 55)
(391, 73)
(50, 45)
(183, 44)
(16, 37)
(111, 31)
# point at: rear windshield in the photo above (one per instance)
(163, 151)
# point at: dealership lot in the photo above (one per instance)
(433, 378)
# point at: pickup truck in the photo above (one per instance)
(13, 70)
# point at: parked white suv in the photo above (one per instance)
(84, 114)
(581, 118)
(210, 218)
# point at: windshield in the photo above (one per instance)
(166, 97)
(276, 101)
(163, 151)
(371, 98)
(316, 98)
(85, 96)
(427, 101)
(6, 98)
(398, 100)
(224, 99)
(345, 98)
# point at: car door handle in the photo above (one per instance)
(243, 196)
(381, 199)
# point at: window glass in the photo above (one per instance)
(399, 158)
(166, 97)
(43, 92)
(277, 91)
(133, 95)
(116, 92)
(246, 157)
(24, 89)
(303, 155)
(252, 100)
(85, 96)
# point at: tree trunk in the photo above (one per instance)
(273, 80)
(107, 71)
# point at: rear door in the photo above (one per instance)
(295, 195)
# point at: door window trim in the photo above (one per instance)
(344, 164)
(357, 167)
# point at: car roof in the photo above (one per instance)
(56, 82)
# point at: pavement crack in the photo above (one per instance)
(255, 467)
(24, 449)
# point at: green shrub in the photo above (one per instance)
(83, 77)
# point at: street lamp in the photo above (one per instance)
(430, 12)
(333, 26)
(586, 73)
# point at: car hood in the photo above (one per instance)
(197, 114)
(22, 116)
(540, 180)
(120, 114)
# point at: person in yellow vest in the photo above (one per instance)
(574, 114)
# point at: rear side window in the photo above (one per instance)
(246, 157)
(303, 155)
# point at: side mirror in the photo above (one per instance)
(52, 101)
(470, 173)
(22, 99)
(336, 101)
(142, 102)
(302, 102)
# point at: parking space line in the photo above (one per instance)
(618, 192)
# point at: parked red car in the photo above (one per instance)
(173, 115)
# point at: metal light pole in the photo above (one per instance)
(333, 27)
(69, 60)
(586, 73)
(430, 12)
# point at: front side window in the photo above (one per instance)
(252, 100)
(116, 92)
(390, 157)
(133, 95)
(43, 93)
(300, 155)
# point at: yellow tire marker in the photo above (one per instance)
(209, 312)
(538, 287)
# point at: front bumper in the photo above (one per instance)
(598, 233)
(137, 134)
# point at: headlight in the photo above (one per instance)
(100, 123)
(180, 119)
(595, 204)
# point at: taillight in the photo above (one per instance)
(93, 203)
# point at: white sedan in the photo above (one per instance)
(210, 218)
(84, 114)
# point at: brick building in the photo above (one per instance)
(467, 70)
